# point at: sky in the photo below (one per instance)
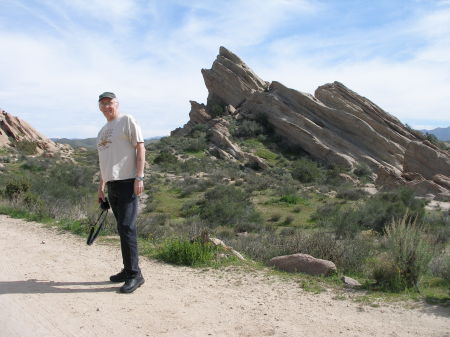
(58, 56)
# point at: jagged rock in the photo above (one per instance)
(421, 157)
(14, 129)
(197, 115)
(303, 263)
(230, 80)
(220, 136)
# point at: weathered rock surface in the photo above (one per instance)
(230, 80)
(14, 129)
(426, 159)
(197, 115)
(303, 263)
(335, 126)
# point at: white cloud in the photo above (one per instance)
(52, 81)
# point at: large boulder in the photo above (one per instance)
(303, 263)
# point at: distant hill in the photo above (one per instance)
(442, 134)
(90, 142)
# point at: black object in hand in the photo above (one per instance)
(104, 204)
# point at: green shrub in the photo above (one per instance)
(184, 252)
(306, 171)
(362, 170)
(382, 208)
(248, 129)
(440, 266)
(215, 110)
(291, 199)
(350, 193)
(16, 187)
(226, 205)
(165, 157)
(387, 274)
(26, 147)
(408, 250)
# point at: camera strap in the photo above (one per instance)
(97, 227)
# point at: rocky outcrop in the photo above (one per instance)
(14, 130)
(220, 136)
(197, 115)
(303, 263)
(335, 126)
(426, 159)
(230, 80)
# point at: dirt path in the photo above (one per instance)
(53, 285)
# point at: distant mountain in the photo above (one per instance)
(89, 143)
(442, 134)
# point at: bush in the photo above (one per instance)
(184, 252)
(306, 171)
(387, 274)
(248, 129)
(215, 110)
(362, 170)
(440, 266)
(16, 187)
(382, 208)
(350, 193)
(408, 250)
(165, 157)
(26, 147)
(226, 205)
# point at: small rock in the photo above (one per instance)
(350, 283)
(42, 242)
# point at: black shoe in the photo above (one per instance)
(120, 277)
(132, 284)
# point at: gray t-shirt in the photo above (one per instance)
(116, 145)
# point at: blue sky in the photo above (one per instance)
(57, 56)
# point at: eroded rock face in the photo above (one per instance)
(303, 263)
(14, 129)
(230, 80)
(335, 126)
(423, 158)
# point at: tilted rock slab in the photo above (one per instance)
(303, 263)
(15, 129)
(335, 126)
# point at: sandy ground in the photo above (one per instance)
(52, 285)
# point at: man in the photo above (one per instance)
(121, 155)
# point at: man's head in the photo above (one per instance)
(109, 105)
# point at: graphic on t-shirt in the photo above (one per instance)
(105, 139)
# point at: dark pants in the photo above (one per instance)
(124, 204)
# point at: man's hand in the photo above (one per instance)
(101, 190)
(100, 195)
(138, 186)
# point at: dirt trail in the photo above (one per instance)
(52, 285)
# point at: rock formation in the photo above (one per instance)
(335, 126)
(14, 130)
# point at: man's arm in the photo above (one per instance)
(140, 164)
(101, 189)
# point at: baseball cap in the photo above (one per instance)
(106, 94)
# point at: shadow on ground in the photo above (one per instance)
(34, 286)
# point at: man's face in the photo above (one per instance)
(109, 107)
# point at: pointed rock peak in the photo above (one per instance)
(224, 52)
